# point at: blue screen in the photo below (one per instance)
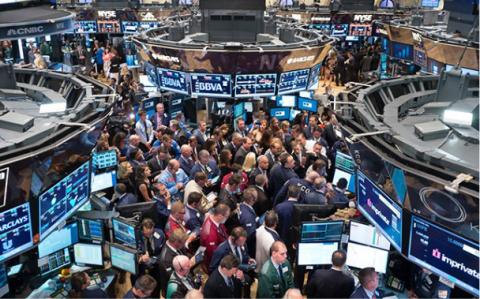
(90, 229)
(123, 259)
(321, 27)
(130, 27)
(15, 231)
(293, 81)
(399, 183)
(402, 51)
(238, 110)
(172, 80)
(211, 85)
(322, 231)
(62, 199)
(255, 85)
(124, 233)
(148, 25)
(430, 3)
(307, 104)
(445, 253)
(59, 239)
(339, 30)
(344, 162)
(105, 159)
(286, 101)
(314, 77)
(151, 73)
(380, 210)
(85, 27)
(3, 281)
(280, 113)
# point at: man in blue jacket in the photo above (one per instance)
(248, 217)
(306, 186)
(368, 284)
(285, 214)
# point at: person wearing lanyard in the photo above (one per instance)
(181, 280)
(276, 275)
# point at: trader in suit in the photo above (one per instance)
(159, 161)
(225, 281)
(205, 165)
(285, 214)
(331, 283)
(262, 168)
(368, 284)
(263, 202)
(213, 231)
(276, 275)
(266, 235)
(248, 217)
(160, 118)
(201, 132)
(186, 160)
(193, 217)
(282, 172)
(243, 150)
(235, 144)
(241, 128)
(340, 189)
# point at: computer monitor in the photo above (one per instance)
(321, 231)
(306, 212)
(62, 199)
(344, 162)
(88, 254)
(361, 256)
(4, 289)
(312, 254)
(124, 258)
(59, 239)
(15, 231)
(102, 181)
(14, 270)
(53, 262)
(104, 159)
(286, 101)
(307, 104)
(89, 229)
(280, 113)
(131, 210)
(338, 174)
(367, 235)
(124, 232)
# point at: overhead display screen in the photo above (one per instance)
(108, 27)
(15, 231)
(211, 85)
(148, 25)
(85, 27)
(307, 104)
(430, 3)
(255, 85)
(172, 80)
(314, 77)
(339, 30)
(63, 199)
(293, 81)
(380, 210)
(445, 253)
(130, 27)
(360, 30)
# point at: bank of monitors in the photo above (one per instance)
(54, 261)
(380, 210)
(361, 256)
(102, 181)
(319, 253)
(307, 104)
(109, 27)
(360, 29)
(367, 235)
(90, 230)
(321, 231)
(104, 159)
(124, 233)
(280, 113)
(293, 81)
(211, 85)
(62, 199)
(172, 81)
(3, 281)
(124, 258)
(445, 253)
(15, 231)
(59, 239)
(255, 85)
(88, 254)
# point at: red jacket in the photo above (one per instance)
(173, 225)
(211, 236)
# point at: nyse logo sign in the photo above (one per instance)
(25, 31)
(107, 14)
(362, 18)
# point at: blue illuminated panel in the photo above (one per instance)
(339, 30)
(15, 231)
(314, 77)
(380, 210)
(59, 239)
(211, 85)
(255, 85)
(307, 104)
(63, 199)
(85, 27)
(445, 253)
(293, 81)
(430, 3)
(172, 80)
(124, 233)
(280, 113)
(130, 27)
(105, 159)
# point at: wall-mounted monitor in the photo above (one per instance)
(293, 81)
(339, 30)
(59, 239)
(312, 254)
(238, 109)
(109, 26)
(360, 30)
(445, 253)
(255, 85)
(322, 27)
(130, 27)
(15, 231)
(124, 258)
(402, 51)
(307, 104)
(361, 256)
(62, 199)
(148, 25)
(211, 85)
(344, 162)
(88, 254)
(151, 72)
(386, 4)
(314, 77)
(431, 3)
(4, 289)
(380, 210)
(367, 235)
(172, 80)
(280, 113)
(321, 231)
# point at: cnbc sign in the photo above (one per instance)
(24, 31)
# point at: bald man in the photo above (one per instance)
(175, 179)
(181, 281)
(276, 276)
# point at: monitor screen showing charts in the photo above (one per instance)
(367, 235)
(361, 256)
(293, 81)
(310, 254)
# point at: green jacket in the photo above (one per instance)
(269, 283)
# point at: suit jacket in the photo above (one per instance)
(193, 220)
(156, 165)
(269, 283)
(359, 293)
(223, 250)
(211, 171)
(248, 219)
(232, 149)
(186, 165)
(339, 197)
(158, 241)
(263, 203)
(165, 264)
(278, 176)
(285, 215)
(165, 120)
(216, 287)
(330, 284)
(201, 140)
(254, 173)
(240, 155)
(211, 236)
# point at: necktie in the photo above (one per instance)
(239, 253)
(280, 273)
(230, 283)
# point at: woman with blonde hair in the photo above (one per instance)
(249, 163)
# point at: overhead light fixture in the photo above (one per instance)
(458, 118)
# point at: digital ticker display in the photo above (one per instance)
(211, 85)
(293, 81)
(255, 85)
(130, 27)
(63, 199)
(445, 253)
(85, 27)
(172, 80)
(380, 210)
(340, 30)
(15, 231)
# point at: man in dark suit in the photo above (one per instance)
(285, 214)
(201, 132)
(282, 172)
(234, 145)
(248, 217)
(331, 283)
(340, 189)
(143, 287)
(368, 284)
(263, 203)
(159, 161)
(262, 168)
(273, 152)
(186, 160)
(243, 150)
(193, 217)
(160, 118)
(241, 128)
(225, 281)
(205, 165)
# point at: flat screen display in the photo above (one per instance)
(211, 85)
(123, 258)
(280, 113)
(130, 27)
(314, 77)
(286, 101)
(345, 162)
(124, 233)
(360, 30)
(293, 81)
(62, 199)
(307, 104)
(402, 51)
(321, 231)
(322, 27)
(15, 231)
(102, 181)
(420, 57)
(55, 261)
(148, 25)
(85, 27)
(3, 281)
(361, 256)
(255, 85)
(59, 239)
(445, 253)
(108, 27)
(172, 80)
(311, 254)
(89, 229)
(339, 30)
(238, 109)
(104, 159)
(430, 3)
(367, 235)
(380, 210)
(88, 254)
(151, 72)
(350, 177)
